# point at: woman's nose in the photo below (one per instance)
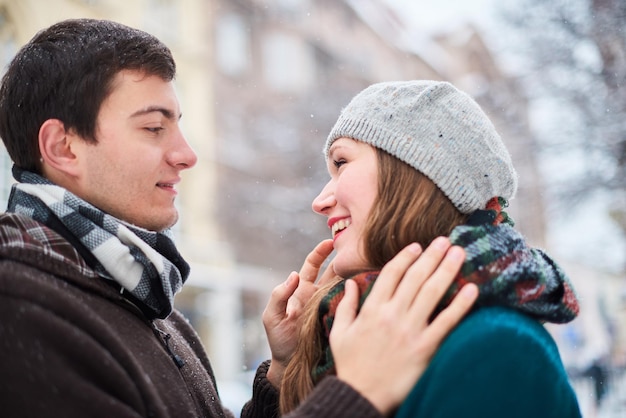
(325, 200)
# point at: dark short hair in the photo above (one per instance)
(65, 72)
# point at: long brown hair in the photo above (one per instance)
(297, 382)
(408, 208)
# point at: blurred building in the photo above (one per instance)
(284, 70)
(261, 84)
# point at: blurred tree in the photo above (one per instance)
(575, 51)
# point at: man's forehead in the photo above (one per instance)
(130, 87)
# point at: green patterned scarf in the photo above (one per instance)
(508, 273)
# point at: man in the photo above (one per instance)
(89, 270)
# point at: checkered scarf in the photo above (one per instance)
(508, 273)
(144, 263)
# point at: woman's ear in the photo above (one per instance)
(55, 147)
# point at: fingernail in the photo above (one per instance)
(469, 291)
(290, 278)
(456, 253)
(415, 248)
(440, 243)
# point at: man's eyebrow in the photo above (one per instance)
(150, 109)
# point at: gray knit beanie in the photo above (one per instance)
(436, 129)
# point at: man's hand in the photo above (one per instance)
(392, 329)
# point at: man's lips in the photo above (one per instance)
(168, 184)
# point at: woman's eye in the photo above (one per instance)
(339, 163)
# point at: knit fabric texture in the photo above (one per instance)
(436, 129)
(144, 263)
(497, 363)
(508, 274)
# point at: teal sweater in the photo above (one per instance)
(496, 363)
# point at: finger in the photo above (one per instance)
(437, 266)
(277, 305)
(447, 319)
(391, 274)
(437, 284)
(346, 309)
(315, 259)
(328, 275)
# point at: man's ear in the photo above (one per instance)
(55, 147)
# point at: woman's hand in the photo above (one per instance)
(286, 304)
(392, 330)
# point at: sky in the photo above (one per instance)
(434, 15)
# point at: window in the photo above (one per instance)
(288, 63)
(232, 45)
(161, 18)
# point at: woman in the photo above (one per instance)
(410, 161)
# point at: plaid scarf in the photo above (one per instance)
(144, 263)
(508, 273)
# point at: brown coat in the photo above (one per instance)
(72, 346)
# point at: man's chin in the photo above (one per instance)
(155, 226)
(168, 225)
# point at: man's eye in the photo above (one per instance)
(155, 129)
